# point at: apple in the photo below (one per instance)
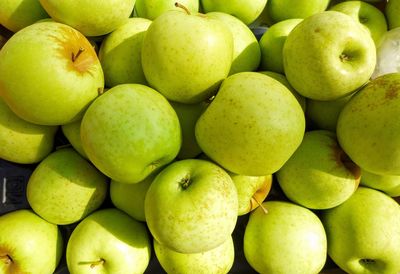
(246, 11)
(388, 49)
(279, 10)
(18, 14)
(108, 241)
(151, 9)
(392, 11)
(49, 74)
(287, 239)
(28, 244)
(323, 70)
(193, 52)
(191, 206)
(23, 142)
(319, 174)
(253, 125)
(72, 132)
(368, 15)
(385, 183)
(218, 260)
(364, 233)
(366, 128)
(271, 44)
(129, 132)
(88, 17)
(120, 53)
(246, 51)
(64, 188)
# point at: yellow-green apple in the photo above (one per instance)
(392, 12)
(130, 131)
(319, 174)
(108, 241)
(271, 44)
(23, 142)
(368, 15)
(218, 260)
(191, 206)
(186, 56)
(64, 188)
(72, 132)
(88, 17)
(151, 9)
(121, 53)
(49, 73)
(18, 14)
(253, 125)
(364, 233)
(328, 55)
(386, 52)
(246, 51)
(28, 244)
(287, 239)
(366, 129)
(387, 183)
(279, 10)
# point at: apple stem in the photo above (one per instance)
(178, 5)
(6, 259)
(260, 205)
(74, 57)
(99, 262)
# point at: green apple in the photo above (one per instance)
(385, 183)
(151, 9)
(279, 10)
(246, 11)
(319, 174)
(364, 233)
(368, 15)
(324, 114)
(246, 51)
(186, 56)
(64, 188)
(49, 74)
(72, 132)
(218, 260)
(271, 44)
(253, 125)
(28, 244)
(287, 239)
(23, 142)
(252, 191)
(191, 206)
(129, 132)
(120, 53)
(392, 11)
(328, 55)
(88, 17)
(366, 129)
(108, 241)
(18, 14)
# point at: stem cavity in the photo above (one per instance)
(7, 259)
(99, 262)
(75, 56)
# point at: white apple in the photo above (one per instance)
(151, 9)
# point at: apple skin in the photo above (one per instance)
(368, 15)
(319, 175)
(23, 142)
(392, 11)
(193, 52)
(385, 183)
(129, 132)
(271, 44)
(120, 53)
(18, 14)
(151, 9)
(246, 51)
(367, 120)
(33, 245)
(72, 132)
(246, 11)
(108, 241)
(191, 206)
(295, 231)
(253, 125)
(218, 260)
(387, 49)
(64, 188)
(39, 80)
(322, 70)
(364, 233)
(88, 18)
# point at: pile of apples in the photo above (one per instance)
(186, 121)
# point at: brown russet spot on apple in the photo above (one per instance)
(392, 92)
